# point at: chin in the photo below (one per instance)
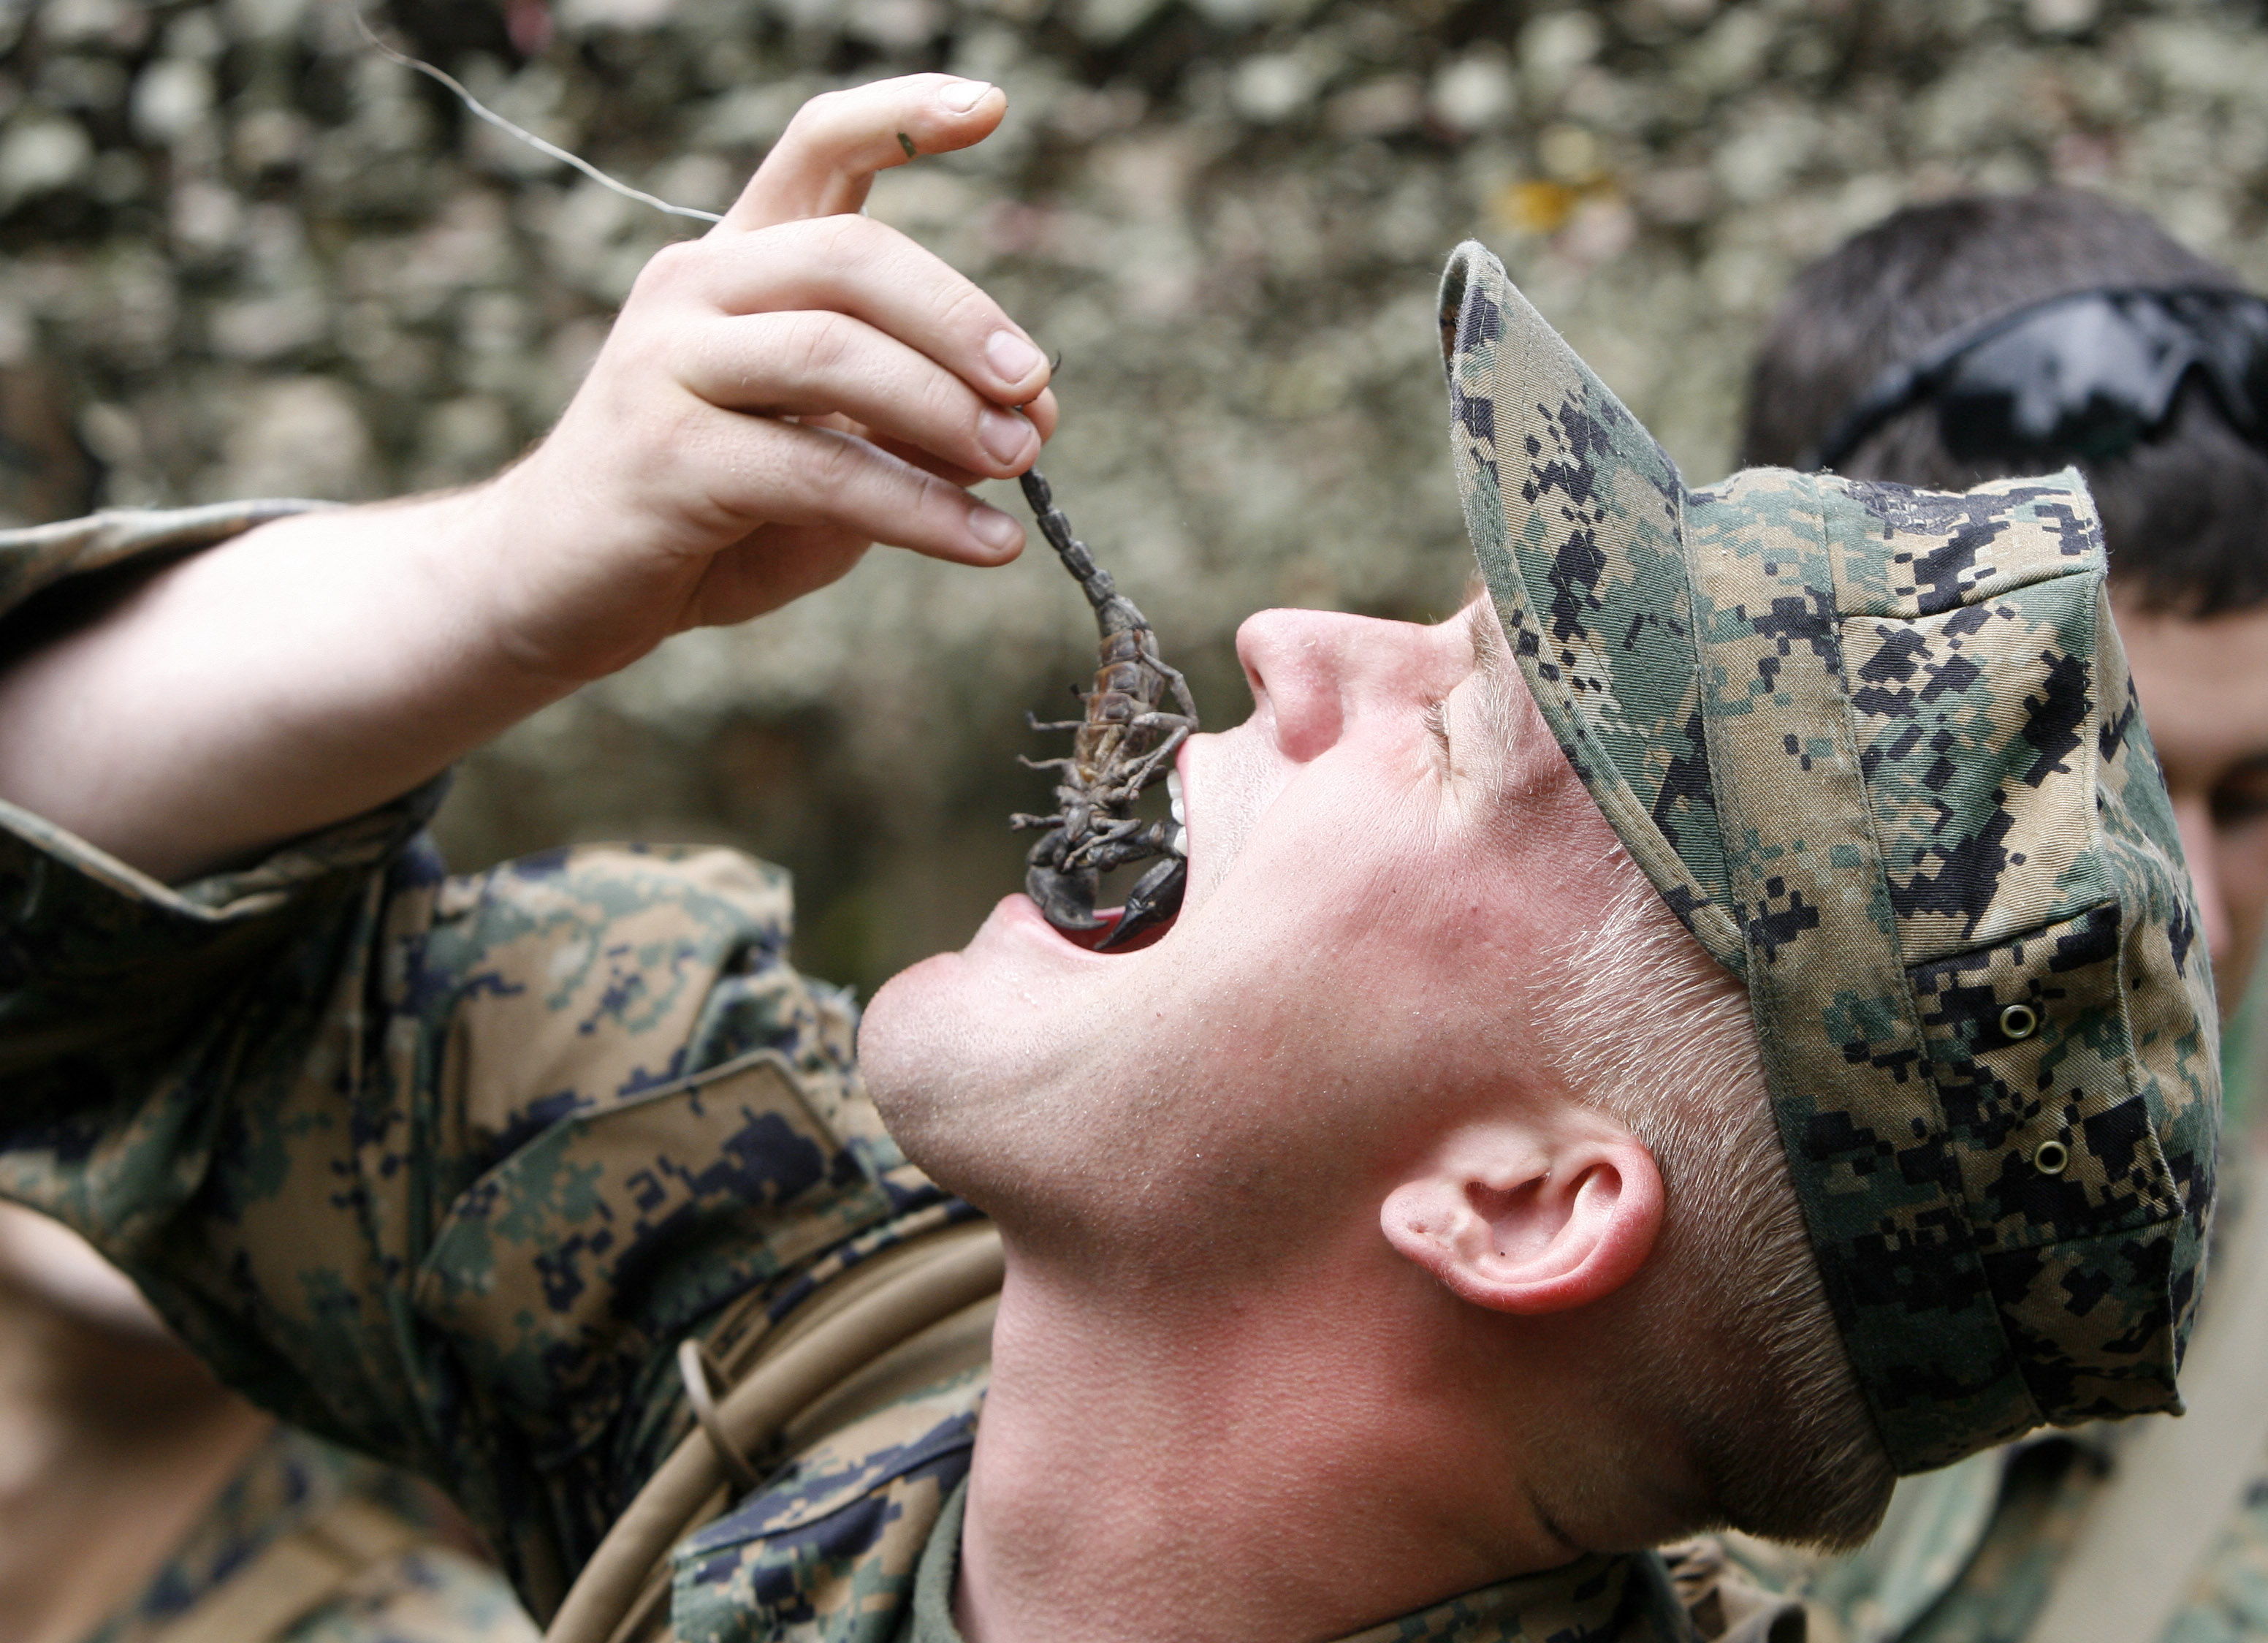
(982, 1061)
(939, 1039)
(908, 1042)
(1019, 986)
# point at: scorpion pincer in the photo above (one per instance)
(1125, 743)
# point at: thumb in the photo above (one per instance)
(826, 161)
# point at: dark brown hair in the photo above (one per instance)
(2184, 513)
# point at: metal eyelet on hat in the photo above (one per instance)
(2050, 1158)
(2019, 1020)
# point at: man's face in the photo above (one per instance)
(2203, 687)
(1382, 859)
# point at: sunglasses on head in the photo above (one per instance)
(2082, 377)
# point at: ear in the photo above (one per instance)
(1523, 1217)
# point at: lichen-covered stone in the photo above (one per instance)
(1228, 215)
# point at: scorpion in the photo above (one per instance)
(1128, 737)
(1125, 743)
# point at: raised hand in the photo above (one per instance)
(796, 384)
(776, 395)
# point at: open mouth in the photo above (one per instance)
(1093, 939)
(1103, 938)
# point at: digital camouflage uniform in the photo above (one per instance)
(445, 1167)
(1943, 672)
(309, 1544)
(1970, 1554)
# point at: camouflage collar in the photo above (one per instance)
(930, 1619)
(1604, 1598)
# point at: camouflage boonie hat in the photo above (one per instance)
(1879, 750)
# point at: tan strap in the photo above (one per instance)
(290, 1577)
(2177, 1483)
(616, 1594)
(700, 1374)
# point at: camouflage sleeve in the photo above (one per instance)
(441, 1169)
(309, 1544)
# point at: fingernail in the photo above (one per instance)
(995, 529)
(961, 96)
(1013, 357)
(1003, 433)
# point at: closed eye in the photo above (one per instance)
(1437, 725)
(1496, 677)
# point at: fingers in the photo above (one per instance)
(818, 362)
(784, 473)
(929, 462)
(851, 265)
(858, 267)
(826, 161)
(801, 381)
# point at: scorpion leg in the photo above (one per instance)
(1126, 842)
(1156, 896)
(1139, 776)
(1123, 850)
(1106, 848)
(1173, 678)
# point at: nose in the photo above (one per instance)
(1309, 670)
(2193, 820)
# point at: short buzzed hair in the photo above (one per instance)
(2184, 512)
(1681, 1067)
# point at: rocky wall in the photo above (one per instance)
(241, 252)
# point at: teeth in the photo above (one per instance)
(1179, 843)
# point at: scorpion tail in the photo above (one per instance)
(1113, 611)
(1156, 896)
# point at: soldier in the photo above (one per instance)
(1982, 338)
(1716, 1024)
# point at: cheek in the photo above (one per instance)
(1401, 984)
(1235, 777)
(1318, 845)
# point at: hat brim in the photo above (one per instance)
(1577, 516)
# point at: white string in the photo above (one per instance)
(527, 136)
